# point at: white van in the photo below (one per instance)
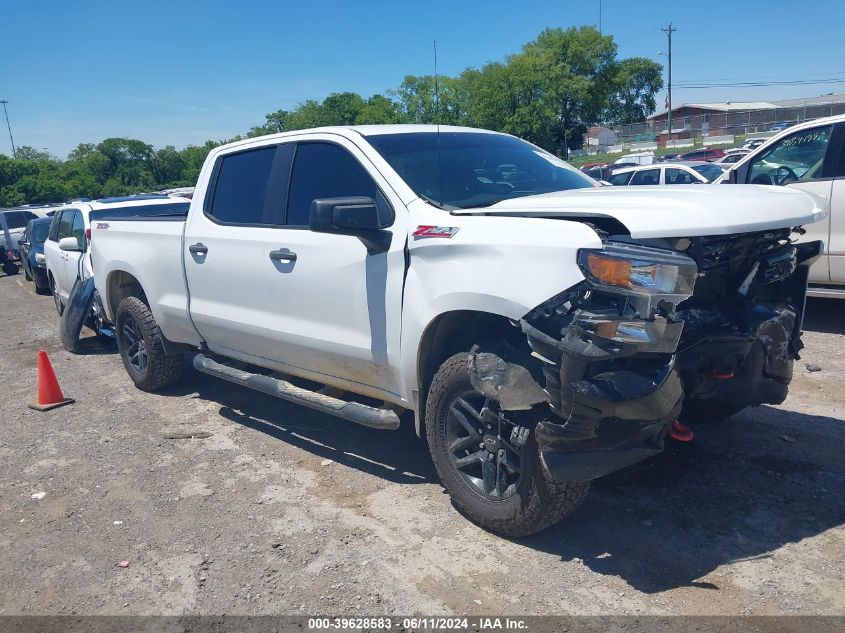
(639, 158)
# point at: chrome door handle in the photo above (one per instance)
(283, 255)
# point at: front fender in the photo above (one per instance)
(504, 266)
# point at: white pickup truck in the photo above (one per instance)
(541, 331)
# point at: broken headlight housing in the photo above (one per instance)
(647, 275)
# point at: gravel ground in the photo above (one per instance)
(274, 509)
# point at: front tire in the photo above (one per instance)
(10, 268)
(496, 482)
(26, 274)
(57, 300)
(139, 341)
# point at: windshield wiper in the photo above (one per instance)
(434, 203)
(483, 204)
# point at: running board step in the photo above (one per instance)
(356, 412)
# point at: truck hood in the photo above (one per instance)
(676, 211)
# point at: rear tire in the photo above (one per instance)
(139, 341)
(523, 504)
(10, 268)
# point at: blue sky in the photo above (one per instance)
(182, 72)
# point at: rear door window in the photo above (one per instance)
(646, 177)
(251, 186)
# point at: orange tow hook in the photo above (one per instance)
(680, 432)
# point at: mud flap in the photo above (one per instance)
(78, 308)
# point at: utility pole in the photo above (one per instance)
(600, 32)
(669, 30)
(14, 151)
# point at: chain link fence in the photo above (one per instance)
(705, 128)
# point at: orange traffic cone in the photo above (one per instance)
(49, 393)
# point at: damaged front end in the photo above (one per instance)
(743, 324)
(651, 330)
(607, 348)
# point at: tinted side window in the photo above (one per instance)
(15, 220)
(251, 186)
(54, 227)
(798, 157)
(840, 165)
(646, 177)
(325, 170)
(78, 229)
(65, 224)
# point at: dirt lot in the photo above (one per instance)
(282, 510)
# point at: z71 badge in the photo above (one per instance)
(434, 231)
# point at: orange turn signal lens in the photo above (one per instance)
(608, 270)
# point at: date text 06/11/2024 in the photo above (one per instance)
(420, 623)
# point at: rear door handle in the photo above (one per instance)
(198, 249)
(283, 255)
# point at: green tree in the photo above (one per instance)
(378, 109)
(635, 82)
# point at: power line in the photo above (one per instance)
(757, 84)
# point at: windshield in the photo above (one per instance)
(475, 169)
(711, 172)
(39, 232)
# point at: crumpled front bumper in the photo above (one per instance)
(614, 395)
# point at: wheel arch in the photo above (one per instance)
(449, 333)
(119, 285)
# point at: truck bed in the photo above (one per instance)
(148, 248)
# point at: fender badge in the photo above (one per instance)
(427, 230)
(102, 225)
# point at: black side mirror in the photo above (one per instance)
(347, 216)
(358, 216)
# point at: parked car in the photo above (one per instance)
(14, 223)
(666, 158)
(703, 154)
(542, 331)
(7, 255)
(31, 251)
(753, 143)
(659, 174)
(709, 171)
(809, 156)
(732, 156)
(780, 127)
(66, 251)
(586, 167)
